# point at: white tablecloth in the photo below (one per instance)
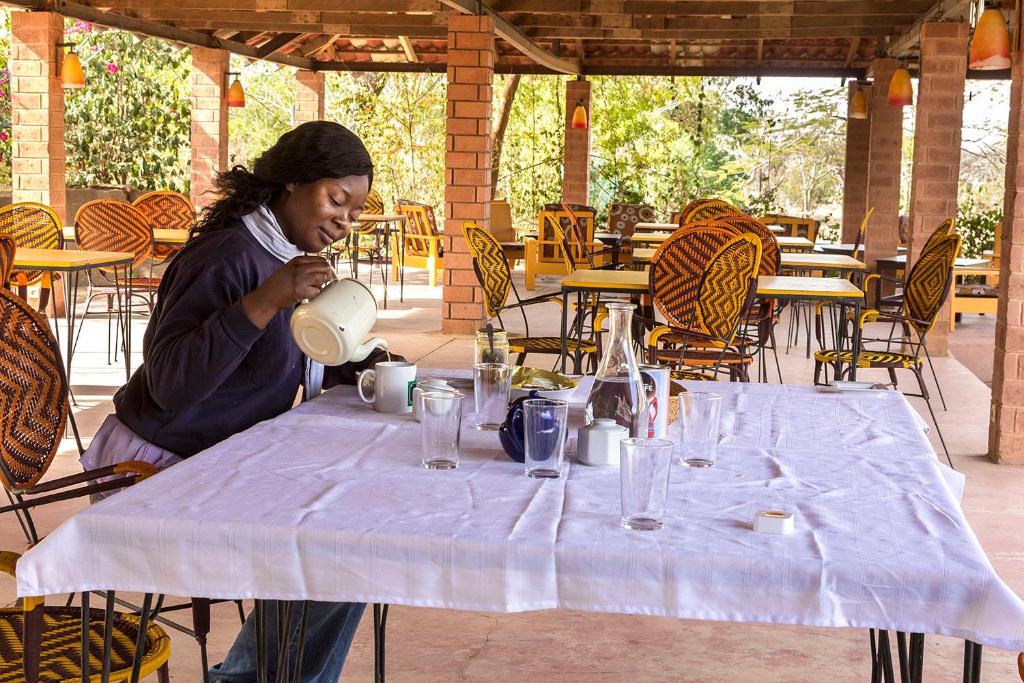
(329, 502)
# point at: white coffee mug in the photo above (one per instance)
(330, 327)
(388, 386)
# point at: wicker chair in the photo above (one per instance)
(33, 226)
(701, 210)
(7, 249)
(494, 276)
(423, 243)
(166, 210)
(41, 643)
(703, 280)
(927, 288)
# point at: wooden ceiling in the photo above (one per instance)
(702, 37)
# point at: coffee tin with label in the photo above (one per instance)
(655, 379)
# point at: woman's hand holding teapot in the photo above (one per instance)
(301, 278)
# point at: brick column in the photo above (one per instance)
(1006, 430)
(467, 164)
(885, 151)
(936, 171)
(37, 111)
(576, 152)
(309, 96)
(209, 120)
(855, 174)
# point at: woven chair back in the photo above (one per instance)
(419, 220)
(166, 210)
(770, 256)
(622, 218)
(33, 226)
(7, 248)
(858, 244)
(944, 230)
(373, 205)
(110, 225)
(929, 282)
(490, 266)
(726, 287)
(33, 393)
(701, 210)
(678, 265)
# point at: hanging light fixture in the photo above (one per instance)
(236, 95)
(579, 116)
(72, 76)
(990, 46)
(858, 103)
(901, 90)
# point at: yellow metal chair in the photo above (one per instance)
(423, 244)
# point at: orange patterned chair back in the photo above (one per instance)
(7, 248)
(490, 266)
(929, 282)
(110, 225)
(166, 210)
(622, 218)
(374, 205)
(33, 226)
(705, 210)
(419, 220)
(770, 255)
(33, 393)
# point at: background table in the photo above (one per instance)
(329, 502)
(161, 236)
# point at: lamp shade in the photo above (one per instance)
(858, 105)
(236, 96)
(901, 91)
(990, 47)
(71, 73)
(579, 117)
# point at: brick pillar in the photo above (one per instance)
(209, 120)
(467, 164)
(1006, 430)
(855, 174)
(885, 151)
(576, 152)
(309, 96)
(936, 171)
(37, 111)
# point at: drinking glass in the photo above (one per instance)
(699, 415)
(545, 423)
(491, 385)
(440, 421)
(643, 475)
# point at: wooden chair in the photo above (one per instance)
(505, 233)
(981, 298)
(544, 255)
(166, 210)
(33, 226)
(423, 243)
(622, 218)
(7, 249)
(794, 226)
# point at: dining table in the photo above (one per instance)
(170, 237)
(795, 261)
(786, 243)
(671, 227)
(289, 510)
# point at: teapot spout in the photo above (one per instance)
(364, 349)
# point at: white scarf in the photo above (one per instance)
(263, 225)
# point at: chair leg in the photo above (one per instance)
(927, 400)
(201, 627)
(775, 353)
(163, 674)
(817, 372)
(938, 386)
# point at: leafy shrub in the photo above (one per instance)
(976, 227)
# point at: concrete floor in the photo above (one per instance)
(443, 645)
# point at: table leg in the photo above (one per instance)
(380, 622)
(581, 316)
(972, 662)
(70, 299)
(565, 313)
(401, 263)
(916, 657)
(857, 332)
(128, 325)
(901, 648)
(260, 614)
(387, 261)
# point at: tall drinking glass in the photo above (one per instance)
(699, 417)
(643, 475)
(545, 422)
(491, 385)
(440, 422)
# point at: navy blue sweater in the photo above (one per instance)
(207, 371)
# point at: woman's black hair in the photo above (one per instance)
(314, 150)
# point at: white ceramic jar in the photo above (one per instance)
(597, 443)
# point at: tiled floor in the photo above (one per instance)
(442, 645)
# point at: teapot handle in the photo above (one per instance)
(364, 349)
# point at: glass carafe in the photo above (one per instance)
(618, 392)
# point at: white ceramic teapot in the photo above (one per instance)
(330, 327)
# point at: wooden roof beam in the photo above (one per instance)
(313, 48)
(517, 38)
(407, 48)
(278, 43)
(943, 9)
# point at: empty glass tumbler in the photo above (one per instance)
(545, 423)
(440, 422)
(491, 385)
(644, 465)
(699, 417)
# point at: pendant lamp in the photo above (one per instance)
(858, 104)
(990, 46)
(901, 91)
(236, 95)
(579, 117)
(72, 76)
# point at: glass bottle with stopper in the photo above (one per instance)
(618, 391)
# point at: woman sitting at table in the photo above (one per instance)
(218, 355)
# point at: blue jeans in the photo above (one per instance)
(330, 628)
